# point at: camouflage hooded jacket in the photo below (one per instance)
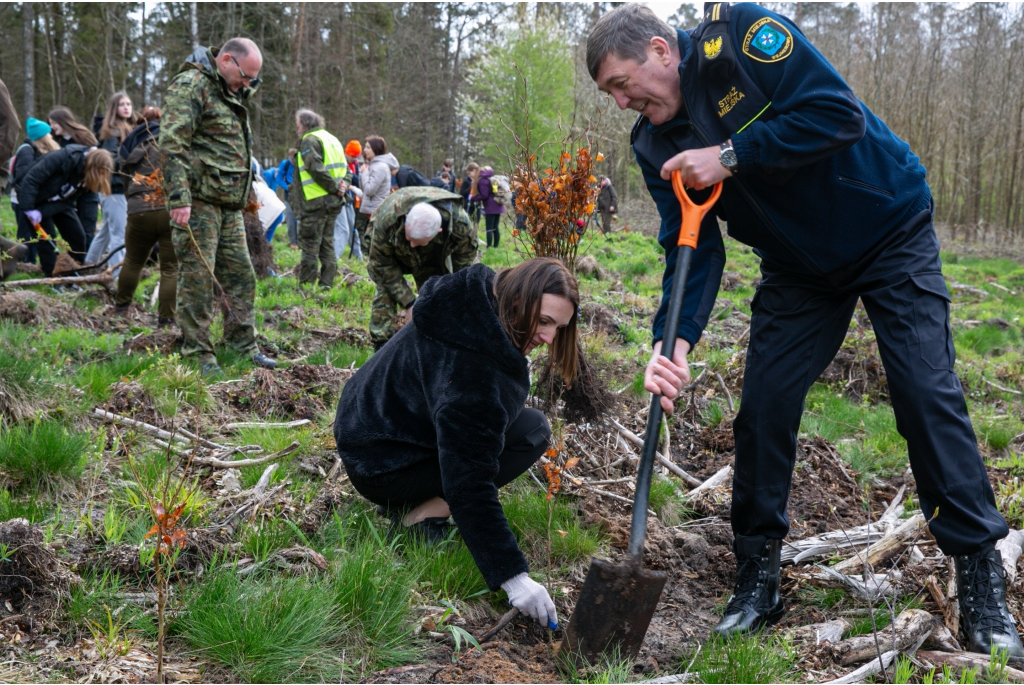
(205, 138)
(391, 255)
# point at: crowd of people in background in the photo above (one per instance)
(136, 169)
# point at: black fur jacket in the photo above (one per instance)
(447, 387)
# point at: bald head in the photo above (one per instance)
(239, 61)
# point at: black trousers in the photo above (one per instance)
(87, 207)
(64, 218)
(491, 223)
(525, 441)
(798, 324)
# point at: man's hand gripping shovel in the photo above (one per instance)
(618, 600)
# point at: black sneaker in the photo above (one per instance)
(164, 323)
(260, 359)
(984, 618)
(122, 309)
(755, 602)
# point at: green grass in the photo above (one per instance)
(269, 629)
(30, 507)
(864, 434)
(748, 659)
(97, 377)
(43, 452)
(527, 511)
(98, 593)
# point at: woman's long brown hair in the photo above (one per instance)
(99, 165)
(519, 292)
(67, 121)
(113, 124)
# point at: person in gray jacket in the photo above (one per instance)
(375, 182)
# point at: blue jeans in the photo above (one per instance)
(110, 233)
(345, 232)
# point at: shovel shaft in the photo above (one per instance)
(638, 528)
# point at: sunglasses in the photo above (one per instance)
(254, 81)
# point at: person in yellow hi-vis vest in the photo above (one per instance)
(319, 191)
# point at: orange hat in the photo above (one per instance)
(353, 149)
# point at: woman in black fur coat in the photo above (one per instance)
(434, 423)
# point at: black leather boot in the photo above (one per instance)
(755, 602)
(984, 618)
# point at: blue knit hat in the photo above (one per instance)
(36, 128)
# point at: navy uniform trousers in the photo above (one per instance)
(797, 325)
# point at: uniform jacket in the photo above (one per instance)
(205, 137)
(391, 255)
(312, 150)
(607, 198)
(375, 182)
(446, 388)
(55, 179)
(139, 160)
(821, 179)
(10, 130)
(485, 196)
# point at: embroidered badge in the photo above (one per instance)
(713, 47)
(768, 41)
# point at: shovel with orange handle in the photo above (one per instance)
(618, 600)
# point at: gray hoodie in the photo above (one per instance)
(376, 182)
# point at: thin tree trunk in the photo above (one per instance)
(194, 24)
(28, 18)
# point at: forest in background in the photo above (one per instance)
(439, 79)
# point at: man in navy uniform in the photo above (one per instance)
(838, 208)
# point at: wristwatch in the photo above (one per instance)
(727, 157)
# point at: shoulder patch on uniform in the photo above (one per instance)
(713, 47)
(768, 41)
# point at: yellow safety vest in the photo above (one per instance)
(334, 162)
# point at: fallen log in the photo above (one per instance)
(867, 670)
(213, 462)
(661, 459)
(141, 425)
(796, 551)
(884, 548)
(912, 627)
(971, 660)
(105, 279)
(712, 482)
(261, 424)
(1010, 547)
(817, 633)
(942, 640)
(869, 589)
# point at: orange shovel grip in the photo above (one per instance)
(693, 213)
(39, 230)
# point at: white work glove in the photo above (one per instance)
(356, 191)
(531, 599)
(34, 215)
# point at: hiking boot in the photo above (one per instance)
(122, 309)
(755, 602)
(164, 323)
(210, 368)
(10, 261)
(260, 359)
(984, 618)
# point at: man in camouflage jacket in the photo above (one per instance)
(206, 149)
(392, 255)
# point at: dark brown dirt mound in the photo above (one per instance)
(33, 309)
(131, 399)
(164, 340)
(858, 371)
(32, 567)
(587, 400)
(598, 317)
(260, 252)
(502, 662)
(303, 391)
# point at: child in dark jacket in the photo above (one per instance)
(434, 423)
(47, 196)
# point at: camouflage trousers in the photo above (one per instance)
(384, 313)
(214, 269)
(316, 240)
